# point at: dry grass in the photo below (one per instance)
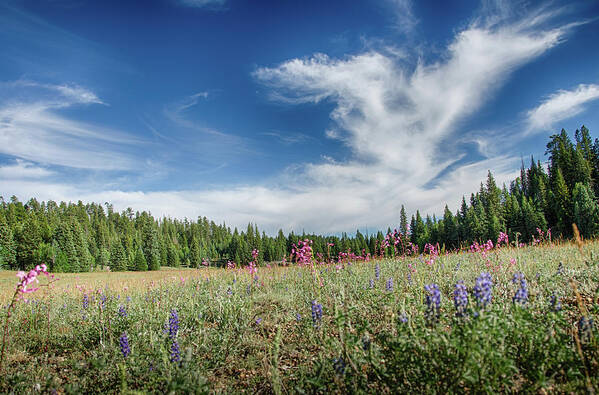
(121, 282)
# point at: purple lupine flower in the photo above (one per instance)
(366, 342)
(258, 321)
(460, 298)
(173, 324)
(371, 284)
(409, 278)
(403, 318)
(585, 328)
(554, 303)
(377, 272)
(389, 285)
(85, 301)
(298, 317)
(316, 313)
(433, 301)
(339, 365)
(122, 311)
(102, 301)
(175, 352)
(521, 296)
(483, 290)
(560, 269)
(124, 344)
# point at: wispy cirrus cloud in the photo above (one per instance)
(405, 21)
(33, 128)
(561, 105)
(202, 3)
(21, 169)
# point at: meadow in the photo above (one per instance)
(433, 323)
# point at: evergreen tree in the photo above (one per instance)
(28, 239)
(8, 253)
(118, 258)
(586, 212)
(151, 246)
(403, 222)
(140, 261)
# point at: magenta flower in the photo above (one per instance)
(25, 279)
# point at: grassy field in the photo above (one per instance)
(366, 327)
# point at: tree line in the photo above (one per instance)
(78, 237)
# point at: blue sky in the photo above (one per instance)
(300, 115)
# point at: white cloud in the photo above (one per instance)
(405, 19)
(33, 128)
(400, 126)
(203, 3)
(23, 170)
(561, 105)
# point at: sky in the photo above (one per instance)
(306, 115)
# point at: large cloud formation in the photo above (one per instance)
(398, 121)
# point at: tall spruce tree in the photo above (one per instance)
(586, 212)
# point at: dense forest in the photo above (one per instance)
(82, 237)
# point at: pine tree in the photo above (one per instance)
(172, 256)
(8, 252)
(140, 261)
(586, 212)
(561, 204)
(118, 258)
(151, 246)
(403, 222)
(450, 228)
(28, 239)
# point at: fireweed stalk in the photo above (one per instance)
(23, 287)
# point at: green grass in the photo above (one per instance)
(56, 344)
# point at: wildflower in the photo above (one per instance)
(122, 311)
(302, 252)
(585, 327)
(460, 298)
(175, 352)
(560, 269)
(25, 279)
(85, 301)
(483, 290)
(339, 365)
(298, 317)
(503, 238)
(403, 318)
(554, 303)
(366, 342)
(371, 284)
(433, 301)
(377, 272)
(258, 321)
(173, 324)
(389, 285)
(316, 313)
(124, 344)
(521, 296)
